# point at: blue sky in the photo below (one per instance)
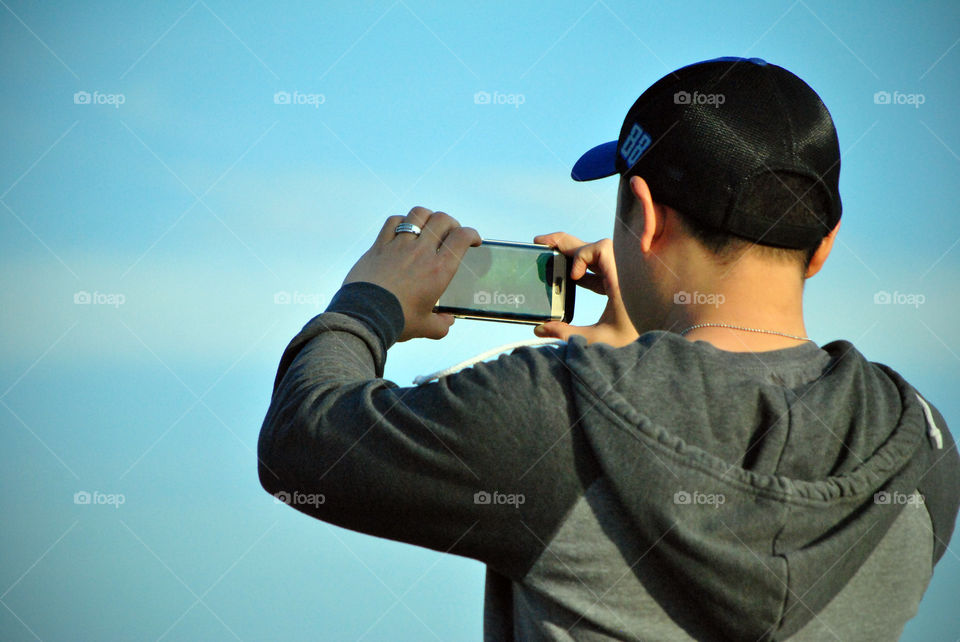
(185, 202)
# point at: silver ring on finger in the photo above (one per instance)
(408, 227)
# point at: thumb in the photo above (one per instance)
(554, 330)
(435, 326)
(440, 325)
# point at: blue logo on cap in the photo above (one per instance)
(636, 143)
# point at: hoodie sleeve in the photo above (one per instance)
(484, 463)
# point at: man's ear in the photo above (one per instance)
(820, 256)
(648, 217)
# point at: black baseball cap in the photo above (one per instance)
(711, 136)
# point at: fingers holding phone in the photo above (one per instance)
(415, 257)
(614, 326)
(598, 257)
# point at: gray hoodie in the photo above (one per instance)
(663, 490)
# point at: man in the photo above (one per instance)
(691, 466)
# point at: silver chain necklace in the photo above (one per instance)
(740, 327)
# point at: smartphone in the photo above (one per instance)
(511, 282)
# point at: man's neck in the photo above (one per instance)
(763, 302)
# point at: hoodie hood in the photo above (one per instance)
(761, 542)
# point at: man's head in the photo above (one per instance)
(739, 163)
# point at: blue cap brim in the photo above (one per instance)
(599, 162)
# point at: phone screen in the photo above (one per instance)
(508, 281)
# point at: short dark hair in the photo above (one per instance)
(785, 199)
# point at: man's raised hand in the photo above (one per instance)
(614, 326)
(417, 268)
